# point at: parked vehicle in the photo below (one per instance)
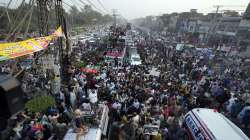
(208, 124)
(135, 59)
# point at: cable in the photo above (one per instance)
(234, 6)
(7, 7)
(69, 18)
(84, 3)
(20, 23)
(124, 18)
(67, 4)
(80, 4)
(7, 13)
(12, 26)
(92, 5)
(102, 6)
(31, 2)
(28, 26)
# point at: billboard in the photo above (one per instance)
(21, 48)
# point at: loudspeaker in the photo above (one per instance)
(11, 97)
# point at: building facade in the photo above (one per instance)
(243, 33)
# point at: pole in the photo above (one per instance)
(114, 16)
(213, 23)
(63, 53)
(43, 15)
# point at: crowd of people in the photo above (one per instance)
(187, 80)
(136, 98)
(5, 69)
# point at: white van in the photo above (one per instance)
(135, 60)
(208, 124)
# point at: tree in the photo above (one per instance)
(75, 17)
(40, 103)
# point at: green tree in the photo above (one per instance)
(75, 17)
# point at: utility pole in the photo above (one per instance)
(114, 17)
(64, 48)
(114, 29)
(43, 15)
(217, 9)
(63, 45)
(45, 57)
(213, 23)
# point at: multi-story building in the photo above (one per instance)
(203, 29)
(243, 33)
(226, 29)
(192, 26)
(222, 29)
(173, 21)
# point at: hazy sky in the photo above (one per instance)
(139, 8)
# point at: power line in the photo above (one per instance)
(16, 16)
(114, 17)
(233, 6)
(67, 4)
(236, 10)
(20, 23)
(81, 3)
(213, 22)
(75, 3)
(84, 3)
(102, 6)
(92, 4)
(119, 14)
(29, 20)
(7, 7)
(124, 18)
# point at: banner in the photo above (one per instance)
(17, 49)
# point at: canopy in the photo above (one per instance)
(115, 54)
(154, 72)
(89, 70)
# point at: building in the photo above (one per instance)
(169, 21)
(193, 10)
(247, 12)
(192, 26)
(243, 33)
(230, 13)
(173, 21)
(203, 29)
(227, 26)
(224, 31)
